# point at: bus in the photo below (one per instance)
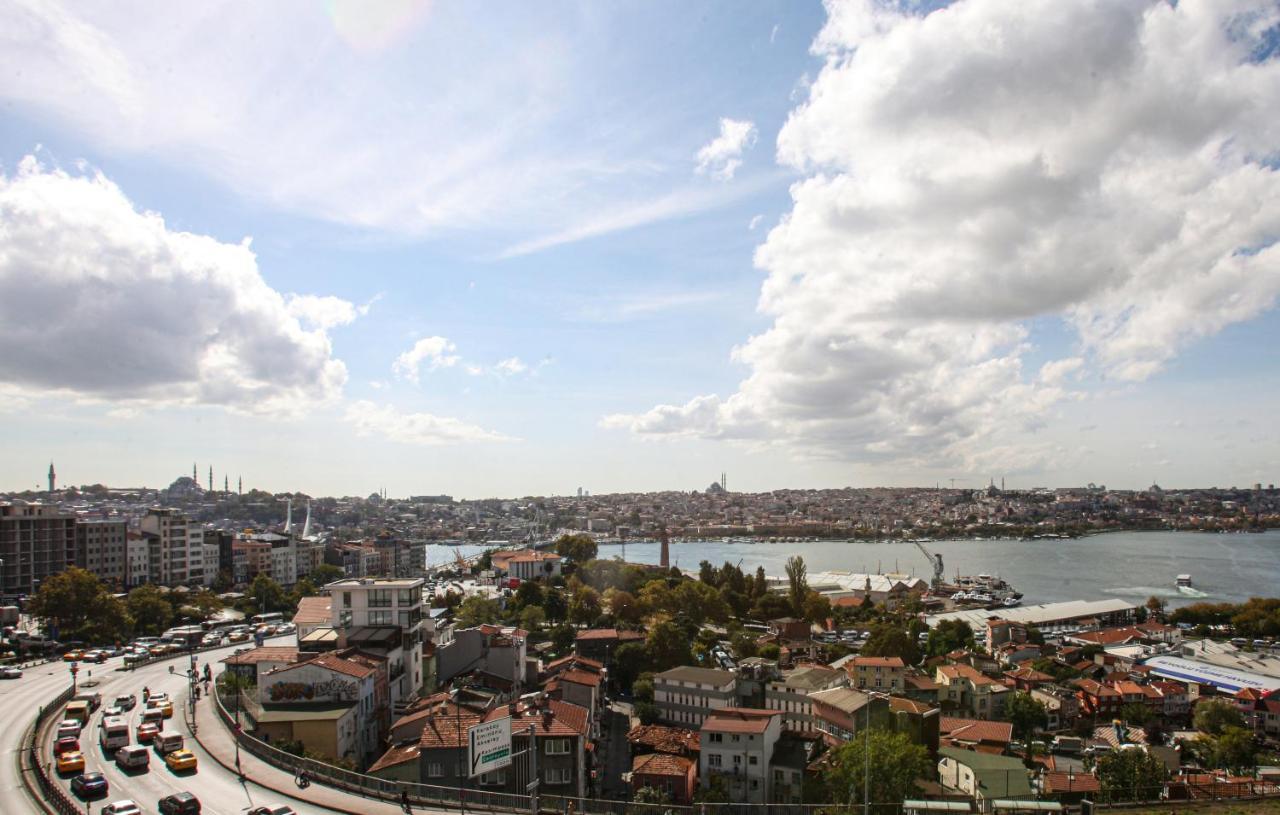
(274, 618)
(78, 710)
(113, 733)
(184, 636)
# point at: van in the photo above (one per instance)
(168, 741)
(133, 757)
(69, 727)
(153, 714)
(79, 710)
(113, 733)
(1067, 744)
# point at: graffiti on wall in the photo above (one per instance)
(330, 689)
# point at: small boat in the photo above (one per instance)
(1183, 581)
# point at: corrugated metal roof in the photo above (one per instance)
(1228, 679)
(1035, 615)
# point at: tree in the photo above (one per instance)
(629, 661)
(707, 574)
(623, 606)
(1136, 713)
(78, 605)
(554, 604)
(890, 640)
(700, 603)
(744, 645)
(303, 588)
(760, 586)
(478, 610)
(770, 651)
(1233, 751)
(150, 609)
(562, 637)
(529, 593)
(797, 584)
(817, 608)
(876, 765)
(642, 688)
(1026, 714)
(1212, 716)
(771, 606)
(646, 712)
(532, 618)
(948, 636)
(584, 606)
(1131, 775)
(1155, 606)
(577, 549)
(668, 646)
(650, 795)
(325, 574)
(266, 595)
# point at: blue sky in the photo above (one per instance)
(812, 246)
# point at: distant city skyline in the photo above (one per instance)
(439, 249)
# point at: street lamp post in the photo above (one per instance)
(75, 669)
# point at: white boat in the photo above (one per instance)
(1183, 581)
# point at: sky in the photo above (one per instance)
(511, 249)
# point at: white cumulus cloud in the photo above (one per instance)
(324, 312)
(721, 157)
(105, 302)
(435, 352)
(510, 366)
(370, 419)
(1110, 164)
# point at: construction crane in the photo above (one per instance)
(936, 561)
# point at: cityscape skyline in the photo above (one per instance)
(852, 244)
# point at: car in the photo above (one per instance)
(166, 708)
(73, 656)
(180, 760)
(180, 803)
(10, 672)
(66, 744)
(147, 732)
(157, 698)
(133, 757)
(124, 807)
(69, 727)
(71, 761)
(153, 713)
(96, 656)
(126, 702)
(279, 809)
(238, 636)
(86, 785)
(114, 710)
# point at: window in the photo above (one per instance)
(753, 760)
(435, 770)
(736, 737)
(494, 779)
(713, 760)
(717, 738)
(737, 761)
(379, 618)
(560, 775)
(344, 619)
(380, 598)
(404, 597)
(346, 599)
(556, 747)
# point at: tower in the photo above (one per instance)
(226, 484)
(194, 475)
(53, 478)
(240, 486)
(210, 478)
(665, 558)
(724, 481)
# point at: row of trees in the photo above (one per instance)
(80, 607)
(1257, 617)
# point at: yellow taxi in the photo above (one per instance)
(71, 761)
(73, 656)
(166, 707)
(181, 760)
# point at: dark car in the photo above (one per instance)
(89, 784)
(180, 803)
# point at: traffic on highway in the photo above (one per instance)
(122, 743)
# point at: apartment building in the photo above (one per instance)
(686, 695)
(383, 617)
(839, 713)
(499, 652)
(965, 689)
(102, 548)
(789, 694)
(884, 674)
(137, 559)
(36, 541)
(329, 703)
(175, 548)
(736, 745)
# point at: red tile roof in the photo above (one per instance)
(267, 653)
(878, 662)
(582, 678)
(1059, 781)
(739, 720)
(661, 764)
(663, 739)
(312, 610)
(975, 730)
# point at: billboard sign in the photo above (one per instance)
(489, 746)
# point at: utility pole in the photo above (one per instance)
(533, 770)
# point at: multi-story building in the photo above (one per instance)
(884, 674)
(211, 562)
(137, 559)
(385, 617)
(495, 650)
(102, 548)
(736, 745)
(966, 689)
(224, 540)
(790, 694)
(685, 695)
(839, 713)
(176, 547)
(329, 703)
(35, 541)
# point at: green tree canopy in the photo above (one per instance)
(771, 606)
(1131, 775)
(947, 636)
(532, 618)
(585, 606)
(668, 646)
(629, 661)
(891, 640)
(1233, 751)
(879, 762)
(577, 549)
(1212, 716)
(797, 584)
(266, 595)
(1026, 714)
(623, 606)
(81, 608)
(325, 574)
(478, 610)
(150, 609)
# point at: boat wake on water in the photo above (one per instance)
(1157, 591)
(1188, 591)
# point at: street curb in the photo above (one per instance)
(246, 778)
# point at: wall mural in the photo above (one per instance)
(335, 689)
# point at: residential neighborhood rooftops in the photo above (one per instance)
(847, 700)
(661, 764)
(313, 610)
(703, 676)
(975, 730)
(266, 653)
(738, 720)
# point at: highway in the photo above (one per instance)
(220, 791)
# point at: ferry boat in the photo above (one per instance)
(1183, 581)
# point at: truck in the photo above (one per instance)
(1069, 745)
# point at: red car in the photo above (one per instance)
(147, 732)
(66, 744)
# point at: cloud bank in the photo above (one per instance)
(1109, 164)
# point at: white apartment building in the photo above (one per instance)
(210, 563)
(686, 695)
(790, 694)
(176, 548)
(284, 563)
(137, 560)
(364, 609)
(736, 745)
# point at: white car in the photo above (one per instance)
(125, 807)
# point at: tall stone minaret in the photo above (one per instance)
(226, 484)
(240, 486)
(195, 476)
(210, 478)
(53, 478)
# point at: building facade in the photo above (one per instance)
(35, 541)
(102, 548)
(685, 696)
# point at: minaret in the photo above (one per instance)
(288, 517)
(53, 478)
(226, 484)
(306, 526)
(240, 486)
(210, 478)
(665, 559)
(194, 475)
